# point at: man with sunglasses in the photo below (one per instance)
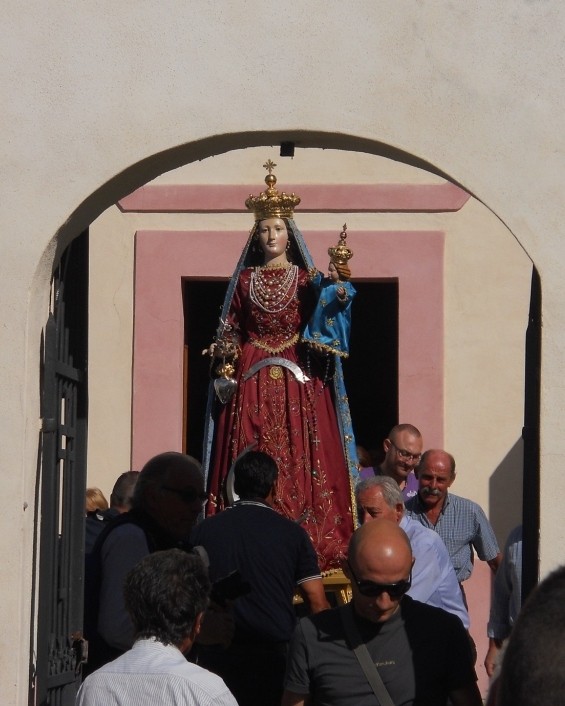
(167, 501)
(422, 653)
(403, 449)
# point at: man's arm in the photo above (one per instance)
(466, 696)
(289, 698)
(312, 591)
(122, 550)
(495, 563)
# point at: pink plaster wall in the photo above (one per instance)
(344, 198)
(164, 258)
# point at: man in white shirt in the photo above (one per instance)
(166, 594)
(433, 577)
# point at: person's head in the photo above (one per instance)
(333, 274)
(95, 500)
(364, 457)
(165, 595)
(122, 492)
(435, 474)
(170, 489)
(256, 254)
(533, 667)
(379, 566)
(273, 238)
(255, 475)
(403, 449)
(379, 497)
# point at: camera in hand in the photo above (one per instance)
(229, 588)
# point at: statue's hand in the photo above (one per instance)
(343, 271)
(210, 350)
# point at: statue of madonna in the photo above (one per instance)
(280, 392)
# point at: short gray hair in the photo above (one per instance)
(392, 494)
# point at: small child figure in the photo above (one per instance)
(330, 325)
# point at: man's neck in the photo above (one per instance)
(384, 472)
(433, 512)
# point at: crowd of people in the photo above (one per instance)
(242, 569)
(205, 582)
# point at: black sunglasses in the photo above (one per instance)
(187, 495)
(372, 589)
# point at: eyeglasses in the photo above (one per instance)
(187, 495)
(406, 454)
(372, 589)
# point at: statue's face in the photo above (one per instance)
(273, 237)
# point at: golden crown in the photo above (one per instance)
(270, 203)
(340, 253)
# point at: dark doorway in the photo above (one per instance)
(371, 372)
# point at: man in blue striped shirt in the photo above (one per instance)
(461, 523)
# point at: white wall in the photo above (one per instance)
(92, 92)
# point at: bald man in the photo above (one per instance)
(422, 653)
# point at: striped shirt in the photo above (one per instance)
(462, 525)
(152, 673)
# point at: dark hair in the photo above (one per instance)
(155, 472)
(533, 668)
(164, 593)
(254, 475)
(122, 492)
(399, 428)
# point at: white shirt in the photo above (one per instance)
(152, 673)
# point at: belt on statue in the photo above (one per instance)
(281, 362)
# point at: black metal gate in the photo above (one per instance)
(62, 482)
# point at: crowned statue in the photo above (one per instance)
(277, 381)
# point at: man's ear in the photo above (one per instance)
(387, 443)
(197, 626)
(399, 511)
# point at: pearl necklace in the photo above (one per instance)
(273, 293)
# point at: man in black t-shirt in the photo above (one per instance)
(274, 556)
(422, 653)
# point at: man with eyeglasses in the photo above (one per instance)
(422, 653)
(403, 450)
(167, 501)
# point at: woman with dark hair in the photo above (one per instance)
(274, 391)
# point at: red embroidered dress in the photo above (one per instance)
(294, 422)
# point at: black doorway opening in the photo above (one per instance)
(371, 371)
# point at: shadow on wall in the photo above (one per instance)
(505, 493)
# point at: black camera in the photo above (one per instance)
(229, 588)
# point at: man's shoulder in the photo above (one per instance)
(325, 624)
(413, 505)
(255, 519)
(425, 614)
(416, 531)
(459, 503)
(153, 658)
